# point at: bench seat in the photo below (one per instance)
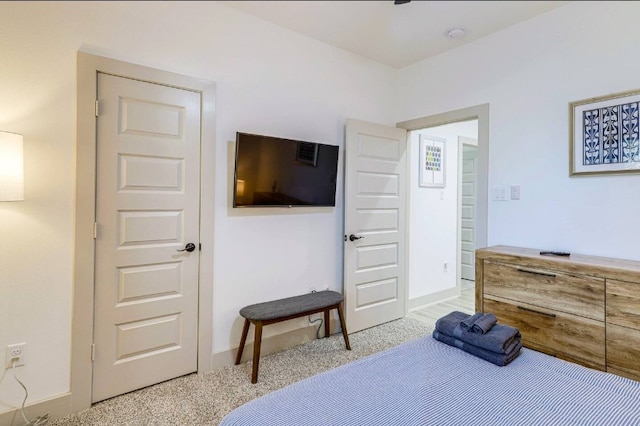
(261, 314)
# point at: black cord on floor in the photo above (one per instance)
(319, 327)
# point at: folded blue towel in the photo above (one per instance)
(467, 323)
(447, 323)
(494, 358)
(483, 324)
(500, 338)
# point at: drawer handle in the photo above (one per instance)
(537, 312)
(546, 274)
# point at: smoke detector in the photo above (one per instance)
(456, 33)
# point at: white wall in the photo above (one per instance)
(273, 81)
(269, 81)
(529, 73)
(433, 214)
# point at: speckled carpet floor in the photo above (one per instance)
(205, 399)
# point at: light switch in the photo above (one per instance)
(500, 193)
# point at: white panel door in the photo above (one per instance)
(468, 212)
(147, 208)
(375, 199)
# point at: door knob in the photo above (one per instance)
(189, 247)
(354, 237)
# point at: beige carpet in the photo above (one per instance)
(205, 399)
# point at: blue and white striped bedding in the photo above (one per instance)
(426, 382)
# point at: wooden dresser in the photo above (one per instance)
(584, 309)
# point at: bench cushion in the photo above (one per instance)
(291, 305)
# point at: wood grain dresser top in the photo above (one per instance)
(605, 267)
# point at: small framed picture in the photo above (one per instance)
(604, 135)
(432, 161)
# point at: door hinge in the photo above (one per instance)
(97, 107)
(199, 246)
(93, 352)
(95, 230)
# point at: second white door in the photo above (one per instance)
(147, 212)
(374, 223)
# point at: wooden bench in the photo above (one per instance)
(262, 314)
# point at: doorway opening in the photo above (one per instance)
(447, 217)
(441, 211)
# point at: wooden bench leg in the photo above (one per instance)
(326, 324)
(256, 351)
(243, 339)
(343, 325)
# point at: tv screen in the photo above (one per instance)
(277, 172)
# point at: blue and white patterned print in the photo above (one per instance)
(591, 137)
(630, 139)
(610, 122)
(611, 135)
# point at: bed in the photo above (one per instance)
(426, 382)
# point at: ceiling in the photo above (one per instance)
(396, 35)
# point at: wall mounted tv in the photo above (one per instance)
(278, 172)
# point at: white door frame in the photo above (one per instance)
(481, 113)
(88, 67)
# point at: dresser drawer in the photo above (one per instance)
(578, 295)
(566, 336)
(623, 304)
(623, 350)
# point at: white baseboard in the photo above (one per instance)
(270, 344)
(57, 407)
(433, 298)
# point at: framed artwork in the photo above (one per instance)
(432, 160)
(604, 135)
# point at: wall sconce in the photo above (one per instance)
(11, 167)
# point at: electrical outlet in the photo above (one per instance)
(17, 350)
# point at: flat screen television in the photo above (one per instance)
(279, 172)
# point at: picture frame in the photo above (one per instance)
(604, 136)
(432, 162)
